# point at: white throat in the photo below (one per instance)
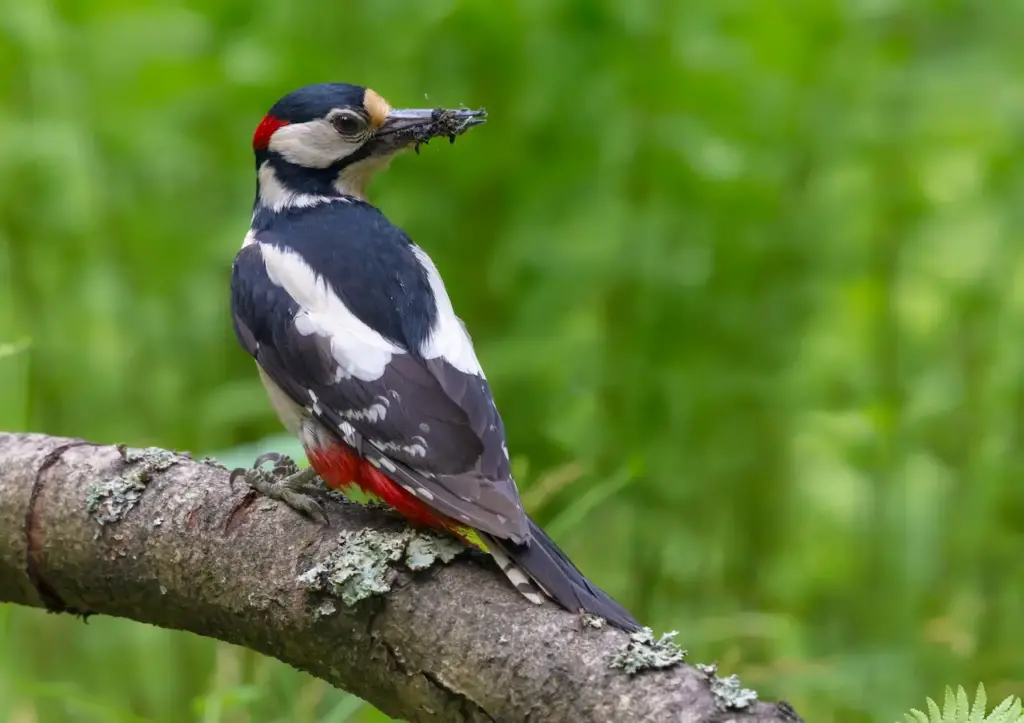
(353, 179)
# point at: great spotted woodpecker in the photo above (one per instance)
(359, 348)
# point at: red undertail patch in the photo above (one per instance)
(340, 467)
(266, 128)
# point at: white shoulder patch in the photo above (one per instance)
(448, 339)
(276, 196)
(359, 351)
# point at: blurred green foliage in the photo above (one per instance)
(743, 275)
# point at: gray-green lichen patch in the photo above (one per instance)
(111, 499)
(590, 620)
(424, 550)
(362, 566)
(643, 652)
(324, 610)
(153, 459)
(729, 694)
(212, 462)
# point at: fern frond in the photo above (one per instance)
(956, 708)
(980, 703)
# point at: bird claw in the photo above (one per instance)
(284, 466)
(235, 474)
(284, 482)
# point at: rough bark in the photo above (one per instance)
(180, 549)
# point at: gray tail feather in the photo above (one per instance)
(554, 573)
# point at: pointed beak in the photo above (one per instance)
(416, 126)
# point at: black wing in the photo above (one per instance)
(429, 426)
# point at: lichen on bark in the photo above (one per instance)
(364, 563)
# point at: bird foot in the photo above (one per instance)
(284, 482)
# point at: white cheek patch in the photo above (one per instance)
(315, 144)
(358, 350)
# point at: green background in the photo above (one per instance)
(745, 277)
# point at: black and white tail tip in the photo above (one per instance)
(541, 565)
(519, 579)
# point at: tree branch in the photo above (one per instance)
(163, 539)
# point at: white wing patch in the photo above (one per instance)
(376, 412)
(277, 197)
(358, 350)
(448, 338)
(416, 448)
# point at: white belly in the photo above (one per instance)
(296, 419)
(290, 413)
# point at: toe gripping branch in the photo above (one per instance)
(285, 482)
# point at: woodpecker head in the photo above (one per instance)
(329, 139)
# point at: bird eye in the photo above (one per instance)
(348, 123)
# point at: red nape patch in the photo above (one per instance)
(340, 467)
(266, 128)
